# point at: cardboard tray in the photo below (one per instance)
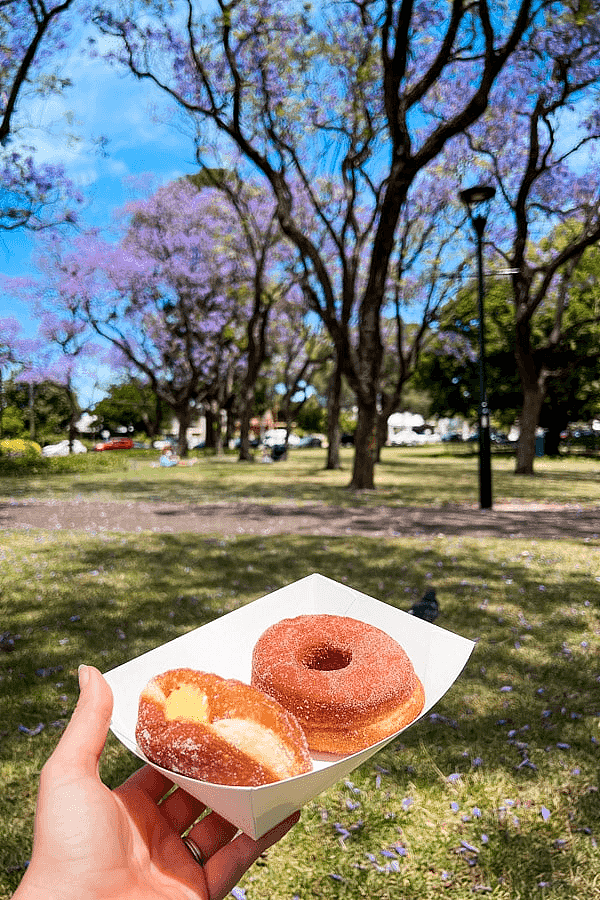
(224, 646)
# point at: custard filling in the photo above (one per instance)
(186, 704)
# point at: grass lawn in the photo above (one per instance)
(406, 476)
(496, 793)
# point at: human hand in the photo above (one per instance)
(91, 843)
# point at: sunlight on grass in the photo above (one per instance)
(495, 792)
(423, 477)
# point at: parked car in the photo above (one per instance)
(62, 448)
(452, 437)
(115, 444)
(347, 439)
(275, 437)
(311, 440)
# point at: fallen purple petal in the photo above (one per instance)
(469, 847)
(31, 732)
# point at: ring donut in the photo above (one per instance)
(348, 683)
(220, 730)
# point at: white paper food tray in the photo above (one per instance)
(225, 646)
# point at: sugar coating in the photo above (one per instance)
(248, 738)
(349, 683)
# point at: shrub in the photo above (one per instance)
(19, 447)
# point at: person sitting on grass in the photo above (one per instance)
(141, 841)
(168, 459)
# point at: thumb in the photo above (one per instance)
(82, 743)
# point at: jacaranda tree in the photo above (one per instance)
(362, 96)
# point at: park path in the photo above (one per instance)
(505, 520)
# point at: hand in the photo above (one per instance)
(92, 843)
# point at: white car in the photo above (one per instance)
(275, 437)
(62, 448)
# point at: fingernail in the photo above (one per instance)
(84, 676)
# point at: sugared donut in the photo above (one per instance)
(219, 730)
(348, 683)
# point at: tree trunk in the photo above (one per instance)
(75, 413)
(533, 380)
(217, 429)
(32, 422)
(334, 397)
(184, 418)
(210, 441)
(382, 420)
(245, 454)
(533, 397)
(229, 427)
(365, 450)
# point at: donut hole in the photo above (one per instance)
(326, 658)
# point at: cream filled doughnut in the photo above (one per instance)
(348, 683)
(220, 730)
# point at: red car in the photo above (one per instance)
(115, 444)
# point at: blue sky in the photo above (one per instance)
(142, 136)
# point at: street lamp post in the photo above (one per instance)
(477, 200)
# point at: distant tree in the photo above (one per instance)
(564, 334)
(10, 329)
(449, 368)
(130, 404)
(541, 153)
(41, 410)
(271, 284)
(299, 357)
(312, 417)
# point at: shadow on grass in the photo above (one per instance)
(524, 711)
(107, 600)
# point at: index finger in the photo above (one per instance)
(149, 780)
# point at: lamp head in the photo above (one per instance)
(474, 196)
(477, 200)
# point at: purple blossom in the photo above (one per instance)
(469, 847)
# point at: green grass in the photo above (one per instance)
(531, 606)
(495, 794)
(429, 476)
